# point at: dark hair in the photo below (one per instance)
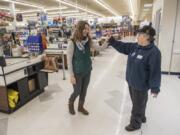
(149, 30)
(151, 39)
(78, 34)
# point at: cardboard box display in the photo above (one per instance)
(31, 84)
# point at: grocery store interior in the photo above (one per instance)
(35, 77)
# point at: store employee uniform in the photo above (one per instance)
(143, 73)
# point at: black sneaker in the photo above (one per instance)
(143, 120)
(131, 128)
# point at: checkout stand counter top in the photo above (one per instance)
(24, 76)
(18, 63)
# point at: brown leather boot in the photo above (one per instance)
(82, 109)
(71, 107)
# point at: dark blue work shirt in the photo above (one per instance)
(143, 67)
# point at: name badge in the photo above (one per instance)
(139, 57)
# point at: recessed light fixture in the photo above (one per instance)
(148, 5)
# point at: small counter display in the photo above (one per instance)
(21, 80)
(60, 50)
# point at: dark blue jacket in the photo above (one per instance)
(143, 67)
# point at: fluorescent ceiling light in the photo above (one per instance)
(79, 7)
(70, 11)
(24, 3)
(106, 6)
(63, 12)
(51, 9)
(38, 10)
(31, 15)
(3, 8)
(80, 14)
(7, 9)
(148, 5)
(28, 11)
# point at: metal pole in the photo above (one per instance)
(13, 13)
(63, 66)
(4, 76)
(5, 86)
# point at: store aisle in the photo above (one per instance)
(107, 101)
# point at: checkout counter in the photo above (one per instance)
(24, 77)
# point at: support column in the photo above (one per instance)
(13, 13)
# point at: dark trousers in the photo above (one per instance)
(139, 101)
(80, 88)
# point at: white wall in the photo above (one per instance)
(176, 49)
(166, 32)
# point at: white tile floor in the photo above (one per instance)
(107, 100)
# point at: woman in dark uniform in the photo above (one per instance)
(143, 72)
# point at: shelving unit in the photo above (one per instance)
(21, 80)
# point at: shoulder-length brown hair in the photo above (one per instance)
(78, 33)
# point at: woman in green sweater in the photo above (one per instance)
(80, 65)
